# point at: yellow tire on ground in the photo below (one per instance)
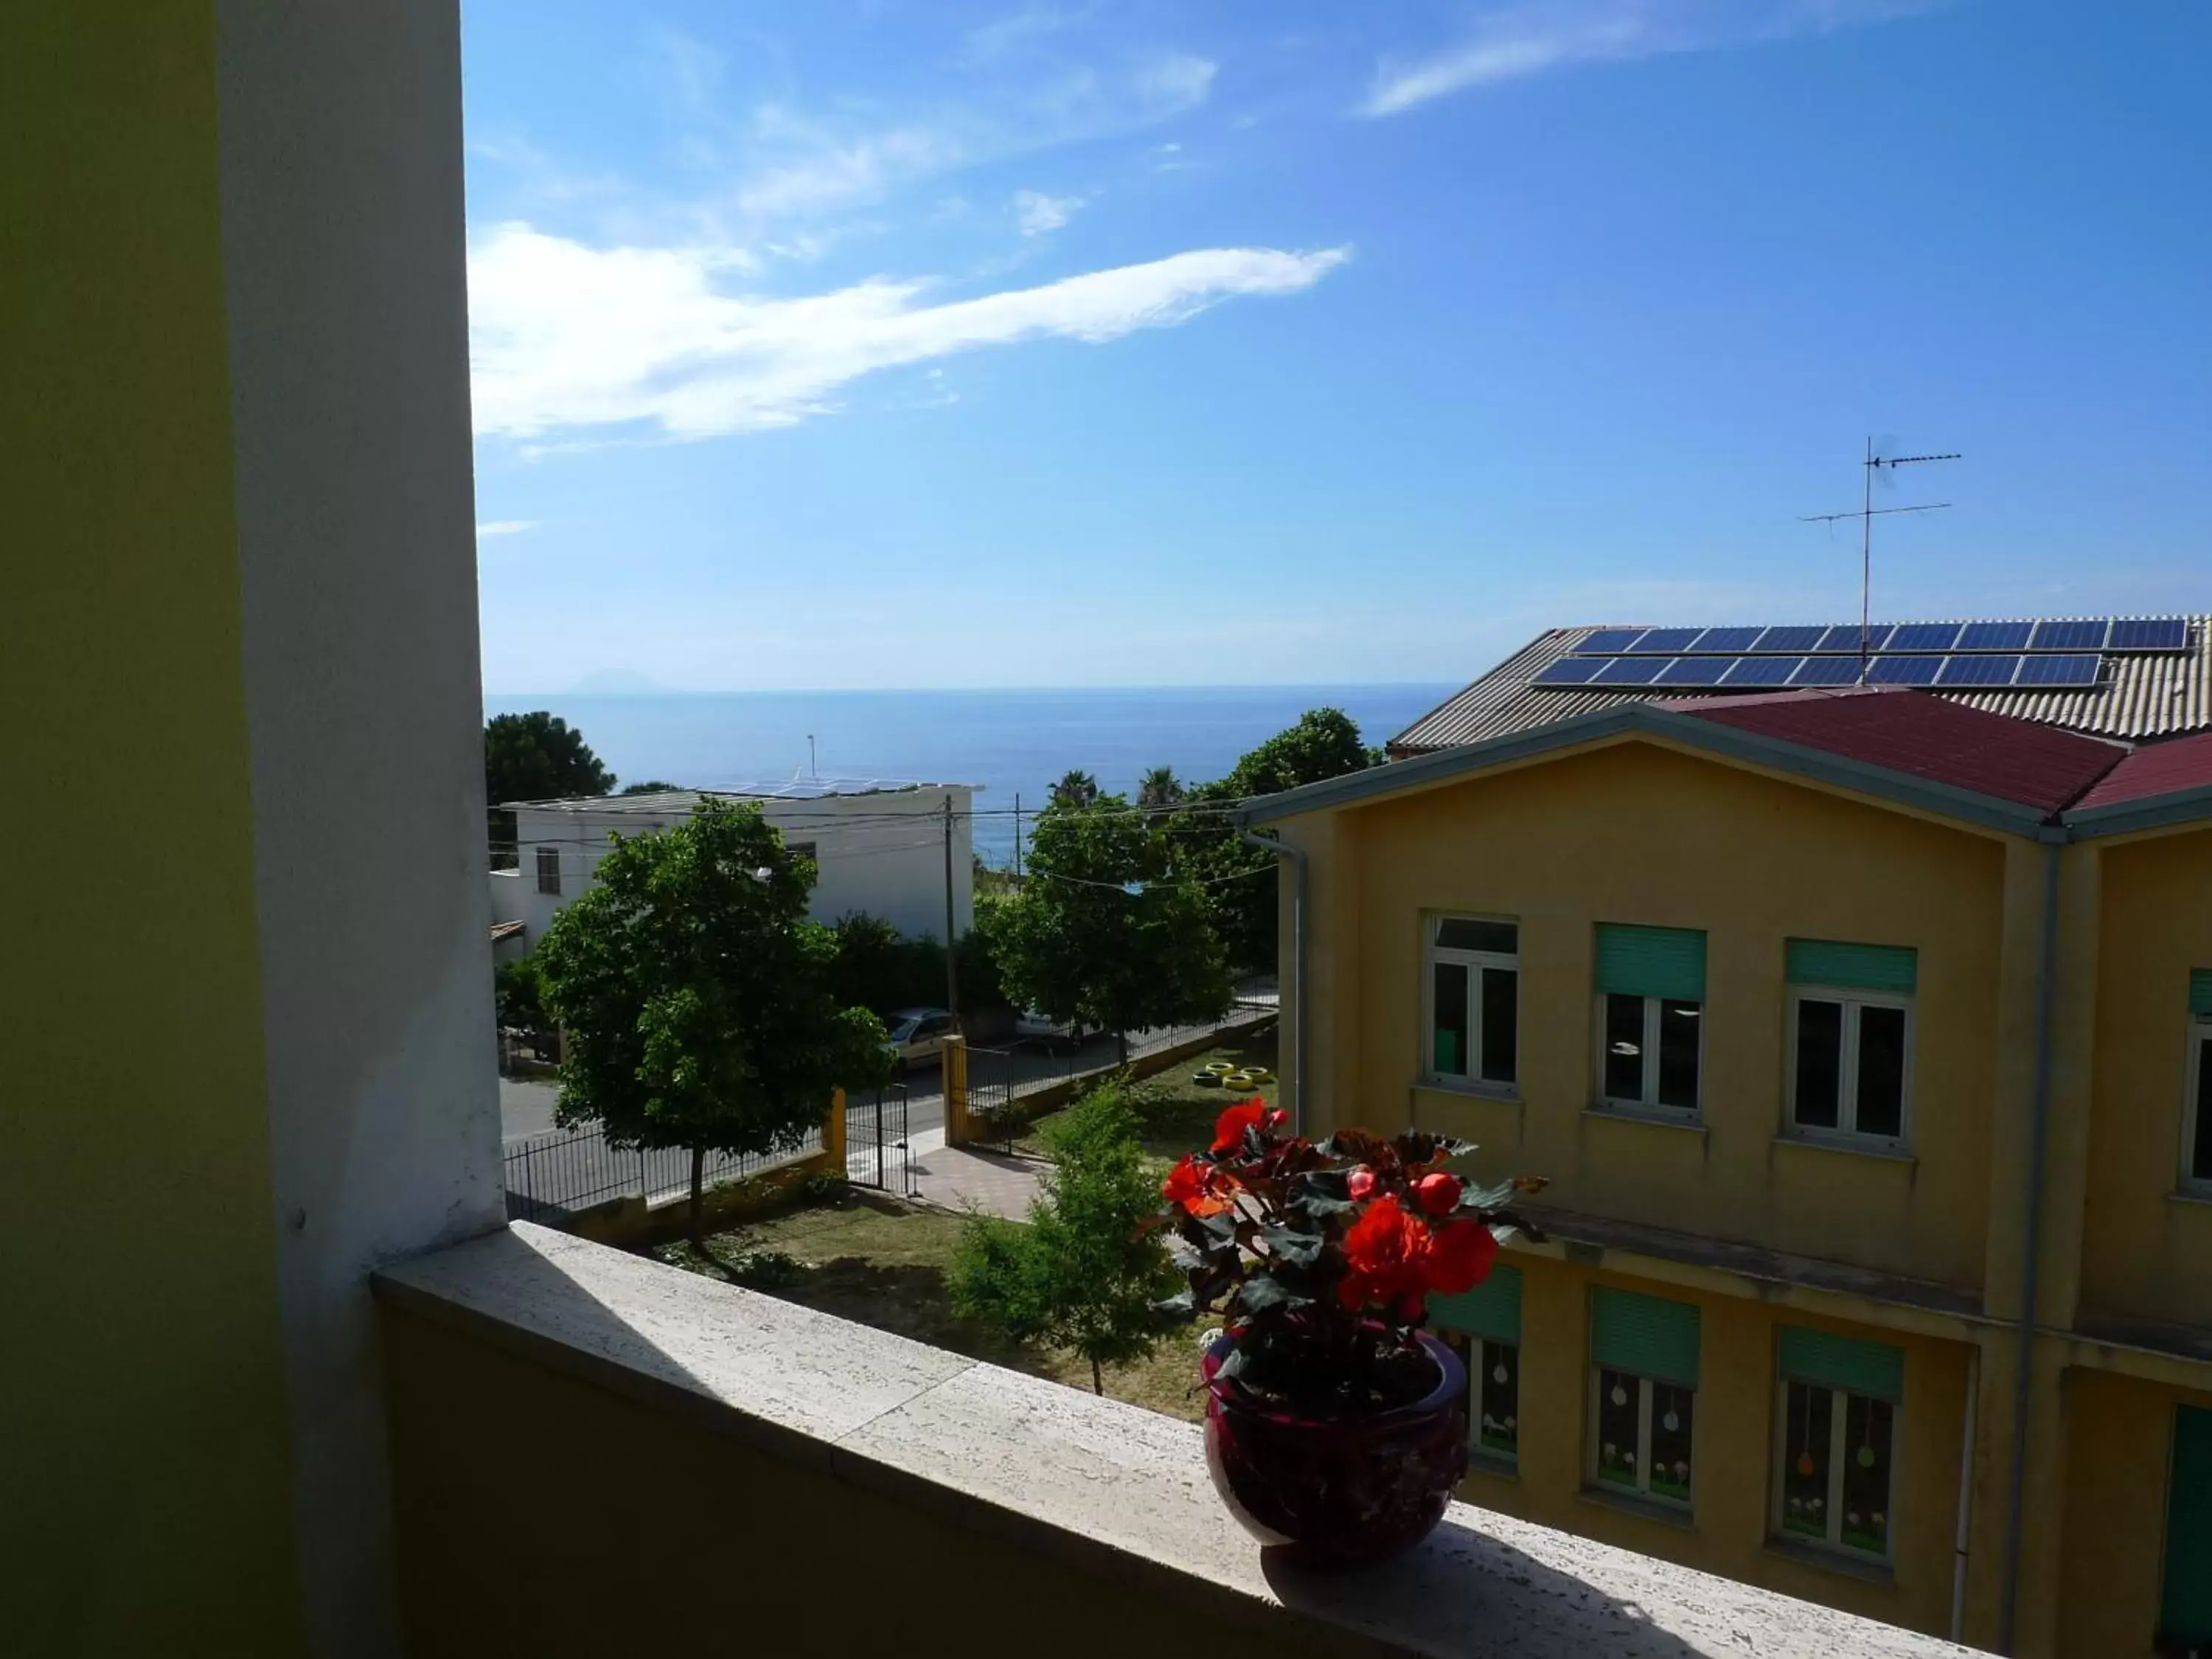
(1237, 1080)
(1259, 1074)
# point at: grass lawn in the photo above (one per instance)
(878, 1262)
(1177, 1113)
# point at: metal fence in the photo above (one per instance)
(877, 1149)
(550, 1175)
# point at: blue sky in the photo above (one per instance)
(883, 344)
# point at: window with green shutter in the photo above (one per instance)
(1875, 1368)
(1492, 1309)
(1644, 1394)
(2185, 1611)
(1647, 1335)
(1855, 967)
(1650, 1016)
(1851, 1028)
(1489, 1318)
(1651, 961)
(2200, 992)
(2196, 1100)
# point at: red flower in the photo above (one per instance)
(1359, 1182)
(1229, 1128)
(1437, 1193)
(1189, 1184)
(1459, 1255)
(1385, 1248)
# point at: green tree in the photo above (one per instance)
(1077, 1276)
(1076, 790)
(695, 996)
(518, 995)
(1159, 788)
(1242, 878)
(1104, 935)
(535, 756)
(652, 787)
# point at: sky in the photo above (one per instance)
(875, 343)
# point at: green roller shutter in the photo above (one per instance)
(1651, 961)
(1645, 1335)
(2200, 990)
(1875, 1369)
(1858, 967)
(2185, 1617)
(1492, 1309)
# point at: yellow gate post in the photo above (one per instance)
(833, 1133)
(957, 1130)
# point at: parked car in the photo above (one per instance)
(917, 1034)
(1033, 1028)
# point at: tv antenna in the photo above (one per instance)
(1881, 461)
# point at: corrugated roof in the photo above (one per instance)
(682, 800)
(1920, 734)
(2144, 696)
(2161, 769)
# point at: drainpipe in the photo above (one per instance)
(1297, 857)
(1966, 1497)
(2046, 977)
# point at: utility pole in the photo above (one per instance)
(951, 955)
(1866, 515)
(812, 770)
(1017, 838)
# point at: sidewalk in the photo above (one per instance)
(962, 1178)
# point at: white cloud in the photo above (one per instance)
(505, 527)
(1035, 213)
(564, 337)
(1529, 39)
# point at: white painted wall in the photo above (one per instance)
(882, 852)
(346, 294)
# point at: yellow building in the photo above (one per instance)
(1844, 1024)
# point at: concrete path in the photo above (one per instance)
(963, 1178)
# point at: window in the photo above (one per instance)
(549, 870)
(1643, 1396)
(1850, 1040)
(1474, 999)
(2197, 1103)
(1838, 1427)
(796, 850)
(1650, 1016)
(1485, 1325)
(2184, 1619)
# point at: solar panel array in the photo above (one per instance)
(2055, 655)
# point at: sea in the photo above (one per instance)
(1011, 745)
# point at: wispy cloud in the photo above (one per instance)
(568, 338)
(505, 527)
(1531, 39)
(1036, 213)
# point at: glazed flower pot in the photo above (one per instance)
(1339, 1490)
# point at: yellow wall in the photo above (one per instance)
(1637, 833)
(149, 1510)
(1728, 1530)
(2147, 1254)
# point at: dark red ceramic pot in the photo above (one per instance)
(1339, 1490)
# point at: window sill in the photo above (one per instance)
(2201, 1196)
(1835, 1561)
(1480, 1460)
(1506, 1093)
(1650, 1118)
(1855, 1148)
(1650, 1509)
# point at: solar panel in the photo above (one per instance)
(1665, 641)
(1925, 636)
(2149, 633)
(1568, 670)
(1727, 639)
(1846, 637)
(1994, 636)
(2048, 672)
(1607, 642)
(1977, 670)
(2084, 635)
(1828, 671)
(1904, 670)
(1760, 671)
(1790, 639)
(1696, 670)
(1630, 671)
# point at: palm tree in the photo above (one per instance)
(1159, 789)
(1075, 792)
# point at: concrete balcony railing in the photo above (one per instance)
(593, 1453)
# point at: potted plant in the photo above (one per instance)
(1335, 1425)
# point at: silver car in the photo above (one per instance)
(917, 1034)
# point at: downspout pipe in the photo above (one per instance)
(2030, 1265)
(1297, 855)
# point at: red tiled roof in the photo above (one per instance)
(2157, 769)
(1928, 737)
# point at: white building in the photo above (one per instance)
(878, 847)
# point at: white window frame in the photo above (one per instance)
(2200, 1034)
(1649, 1105)
(554, 870)
(1479, 1359)
(1846, 1132)
(1839, 1449)
(1474, 961)
(1646, 1388)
